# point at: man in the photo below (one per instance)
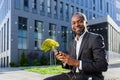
(86, 56)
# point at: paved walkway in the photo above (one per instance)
(19, 74)
(113, 73)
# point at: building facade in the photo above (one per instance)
(117, 10)
(109, 30)
(24, 24)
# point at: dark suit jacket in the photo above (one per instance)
(92, 54)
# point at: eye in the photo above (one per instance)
(80, 21)
(73, 23)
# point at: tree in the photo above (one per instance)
(23, 60)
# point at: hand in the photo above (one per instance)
(67, 59)
(59, 55)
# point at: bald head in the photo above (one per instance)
(80, 15)
(79, 23)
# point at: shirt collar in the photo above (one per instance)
(80, 36)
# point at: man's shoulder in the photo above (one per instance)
(94, 34)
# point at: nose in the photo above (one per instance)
(77, 24)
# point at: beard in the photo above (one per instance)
(79, 31)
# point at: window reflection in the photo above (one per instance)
(17, 4)
(38, 34)
(22, 33)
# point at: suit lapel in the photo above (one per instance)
(74, 49)
(83, 43)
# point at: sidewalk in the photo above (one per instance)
(18, 74)
(113, 73)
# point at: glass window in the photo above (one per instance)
(100, 4)
(22, 39)
(82, 11)
(93, 8)
(22, 23)
(38, 33)
(94, 16)
(22, 33)
(4, 8)
(7, 34)
(26, 5)
(22, 43)
(67, 11)
(52, 29)
(77, 9)
(0, 41)
(19, 43)
(94, 2)
(72, 10)
(107, 7)
(42, 5)
(38, 26)
(64, 38)
(61, 10)
(7, 61)
(4, 37)
(34, 6)
(36, 43)
(64, 33)
(55, 7)
(17, 4)
(49, 6)
(19, 32)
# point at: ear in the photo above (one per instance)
(87, 22)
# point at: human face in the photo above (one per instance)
(78, 24)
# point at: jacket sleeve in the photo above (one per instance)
(99, 62)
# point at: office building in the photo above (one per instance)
(24, 24)
(117, 12)
(109, 30)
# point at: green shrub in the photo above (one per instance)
(12, 64)
(23, 60)
(36, 62)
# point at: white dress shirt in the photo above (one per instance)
(78, 45)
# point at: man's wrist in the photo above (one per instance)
(77, 63)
